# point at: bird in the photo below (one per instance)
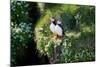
(59, 29)
(52, 25)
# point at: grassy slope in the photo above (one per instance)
(77, 46)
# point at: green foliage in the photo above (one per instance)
(87, 12)
(73, 53)
(79, 28)
(78, 44)
(21, 29)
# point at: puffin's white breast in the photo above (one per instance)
(52, 27)
(58, 30)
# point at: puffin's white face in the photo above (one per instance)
(51, 19)
(59, 22)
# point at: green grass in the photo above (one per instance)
(77, 46)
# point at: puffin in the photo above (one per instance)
(59, 29)
(52, 25)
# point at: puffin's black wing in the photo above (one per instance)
(60, 25)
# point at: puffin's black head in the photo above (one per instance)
(53, 20)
